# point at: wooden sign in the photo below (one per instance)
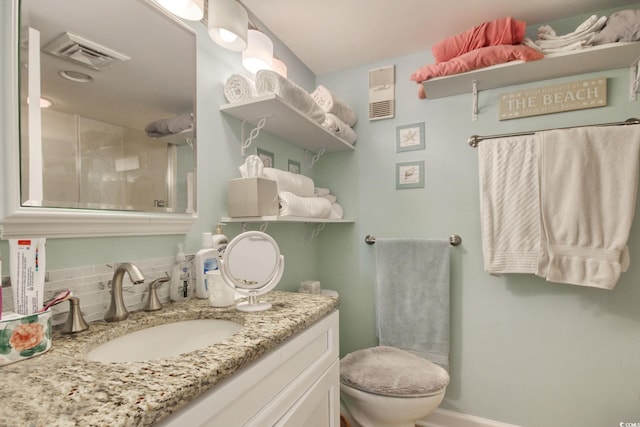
(554, 99)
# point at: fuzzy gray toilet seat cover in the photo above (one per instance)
(390, 371)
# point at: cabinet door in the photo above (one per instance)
(319, 406)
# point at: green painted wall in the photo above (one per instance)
(523, 350)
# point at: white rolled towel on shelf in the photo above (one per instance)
(320, 191)
(331, 104)
(270, 82)
(336, 211)
(295, 183)
(239, 88)
(308, 207)
(342, 130)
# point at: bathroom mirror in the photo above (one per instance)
(253, 265)
(86, 166)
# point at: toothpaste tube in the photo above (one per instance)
(27, 271)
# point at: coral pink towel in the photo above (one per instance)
(501, 31)
(479, 58)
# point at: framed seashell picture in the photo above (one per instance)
(410, 174)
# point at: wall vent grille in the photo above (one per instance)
(79, 50)
(382, 93)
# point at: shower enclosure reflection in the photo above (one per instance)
(110, 68)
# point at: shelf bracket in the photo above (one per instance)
(314, 233)
(263, 227)
(634, 80)
(314, 158)
(474, 108)
(252, 135)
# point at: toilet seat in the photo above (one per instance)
(390, 371)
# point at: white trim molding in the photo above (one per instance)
(446, 418)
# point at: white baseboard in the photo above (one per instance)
(445, 418)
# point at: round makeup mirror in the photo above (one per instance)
(253, 265)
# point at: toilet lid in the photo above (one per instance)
(390, 371)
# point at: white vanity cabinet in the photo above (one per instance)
(296, 384)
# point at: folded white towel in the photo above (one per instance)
(509, 204)
(336, 211)
(310, 207)
(589, 184)
(330, 104)
(295, 183)
(549, 42)
(239, 88)
(270, 82)
(342, 130)
(590, 25)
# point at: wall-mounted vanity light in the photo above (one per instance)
(228, 24)
(192, 10)
(259, 52)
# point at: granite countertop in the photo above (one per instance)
(63, 388)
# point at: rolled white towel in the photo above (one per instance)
(268, 81)
(295, 183)
(239, 88)
(308, 207)
(319, 191)
(331, 198)
(330, 104)
(342, 130)
(336, 211)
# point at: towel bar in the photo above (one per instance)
(454, 239)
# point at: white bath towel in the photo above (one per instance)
(309, 207)
(268, 82)
(320, 191)
(510, 204)
(549, 42)
(295, 183)
(589, 179)
(331, 104)
(332, 123)
(412, 290)
(239, 88)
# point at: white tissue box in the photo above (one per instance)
(252, 197)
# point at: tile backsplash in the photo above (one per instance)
(91, 284)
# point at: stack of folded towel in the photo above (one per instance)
(549, 42)
(487, 44)
(339, 117)
(298, 196)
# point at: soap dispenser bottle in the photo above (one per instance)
(181, 288)
(206, 259)
(220, 241)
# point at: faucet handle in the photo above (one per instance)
(153, 302)
(75, 322)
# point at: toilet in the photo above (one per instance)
(389, 387)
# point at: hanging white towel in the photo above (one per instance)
(589, 182)
(510, 204)
(413, 296)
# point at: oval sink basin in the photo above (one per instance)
(171, 339)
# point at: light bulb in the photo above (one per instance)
(227, 35)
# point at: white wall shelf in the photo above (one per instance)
(270, 219)
(285, 121)
(593, 59)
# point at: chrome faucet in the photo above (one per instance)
(117, 310)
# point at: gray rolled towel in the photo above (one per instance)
(622, 26)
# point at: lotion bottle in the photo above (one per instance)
(181, 288)
(206, 259)
(219, 240)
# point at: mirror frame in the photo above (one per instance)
(19, 221)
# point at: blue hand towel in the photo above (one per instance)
(413, 296)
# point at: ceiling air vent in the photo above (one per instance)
(81, 51)
(382, 93)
